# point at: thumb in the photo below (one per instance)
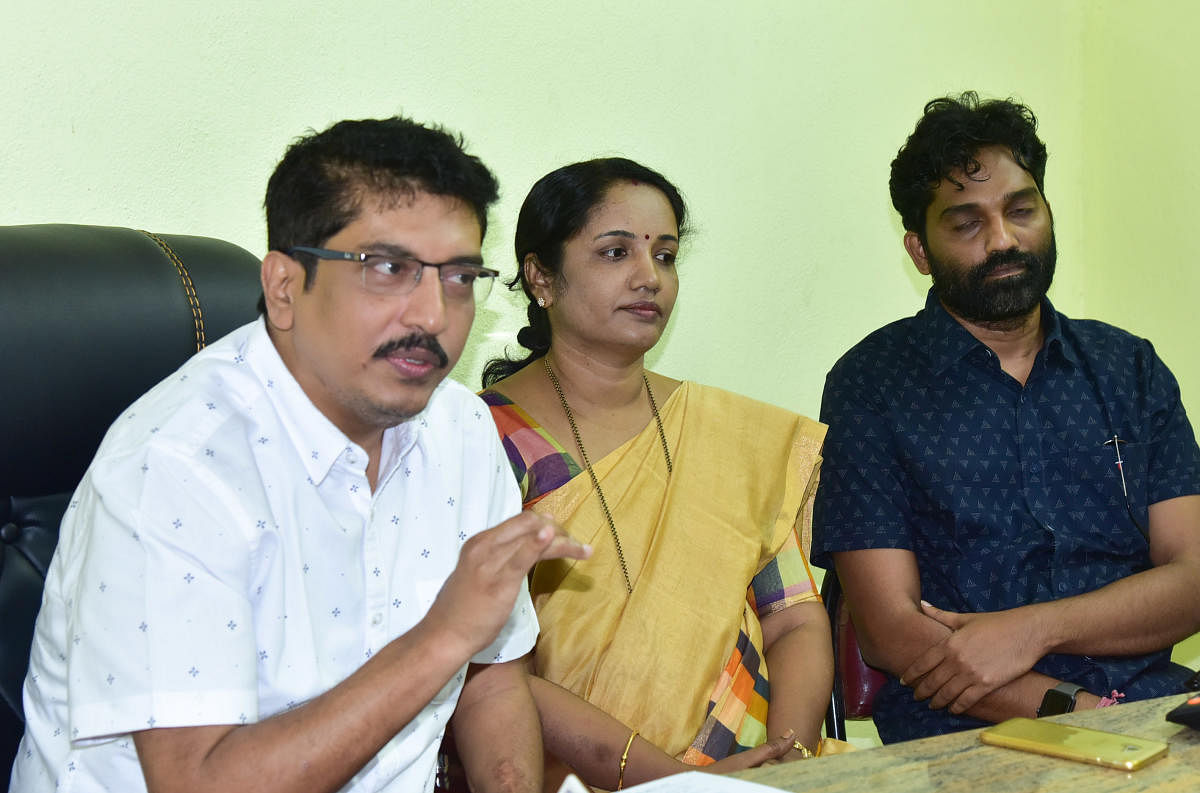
(950, 619)
(773, 749)
(777, 747)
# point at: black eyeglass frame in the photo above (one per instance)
(486, 273)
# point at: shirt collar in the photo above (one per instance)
(945, 340)
(317, 440)
(948, 341)
(1056, 341)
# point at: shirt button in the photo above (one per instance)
(377, 619)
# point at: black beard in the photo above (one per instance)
(968, 294)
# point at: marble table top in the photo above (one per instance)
(960, 762)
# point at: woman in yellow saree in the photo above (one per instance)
(697, 503)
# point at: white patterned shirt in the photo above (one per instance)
(224, 559)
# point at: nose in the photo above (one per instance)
(645, 274)
(425, 306)
(1001, 236)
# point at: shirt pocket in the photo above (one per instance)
(1103, 488)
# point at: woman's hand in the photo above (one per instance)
(771, 751)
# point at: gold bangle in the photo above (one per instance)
(625, 759)
(804, 751)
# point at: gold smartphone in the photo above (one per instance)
(1074, 743)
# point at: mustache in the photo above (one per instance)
(999, 259)
(418, 340)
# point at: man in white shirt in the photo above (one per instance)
(291, 560)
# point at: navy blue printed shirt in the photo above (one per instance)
(1006, 494)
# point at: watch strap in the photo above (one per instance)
(1068, 690)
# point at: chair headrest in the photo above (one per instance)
(90, 318)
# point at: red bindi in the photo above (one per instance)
(647, 236)
(635, 182)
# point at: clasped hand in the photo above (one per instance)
(983, 652)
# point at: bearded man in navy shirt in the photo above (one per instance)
(1011, 497)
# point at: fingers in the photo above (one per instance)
(935, 655)
(948, 692)
(525, 542)
(950, 686)
(776, 748)
(478, 596)
(770, 752)
(504, 554)
(968, 699)
(563, 546)
(925, 663)
(948, 689)
(518, 526)
(931, 683)
(546, 535)
(950, 619)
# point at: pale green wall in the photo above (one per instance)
(1143, 212)
(778, 119)
(1142, 109)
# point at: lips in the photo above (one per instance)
(413, 362)
(1005, 270)
(644, 309)
(414, 356)
(1002, 264)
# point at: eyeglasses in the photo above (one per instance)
(392, 274)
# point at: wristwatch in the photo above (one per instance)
(1060, 699)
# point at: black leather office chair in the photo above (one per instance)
(90, 318)
(854, 683)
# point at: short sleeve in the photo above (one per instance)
(862, 500)
(160, 627)
(785, 581)
(1175, 458)
(538, 463)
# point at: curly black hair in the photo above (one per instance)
(946, 141)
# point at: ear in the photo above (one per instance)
(541, 283)
(916, 252)
(282, 279)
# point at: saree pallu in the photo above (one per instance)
(679, 659)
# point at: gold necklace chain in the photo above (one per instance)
(662, 436)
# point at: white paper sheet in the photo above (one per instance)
(691, 782)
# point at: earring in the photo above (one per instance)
(541, 302)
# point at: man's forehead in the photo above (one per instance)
(376, 206)
(992, 169)
(399, 194)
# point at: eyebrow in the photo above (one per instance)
(630, 235)
(399, 251)
(1008, 198)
